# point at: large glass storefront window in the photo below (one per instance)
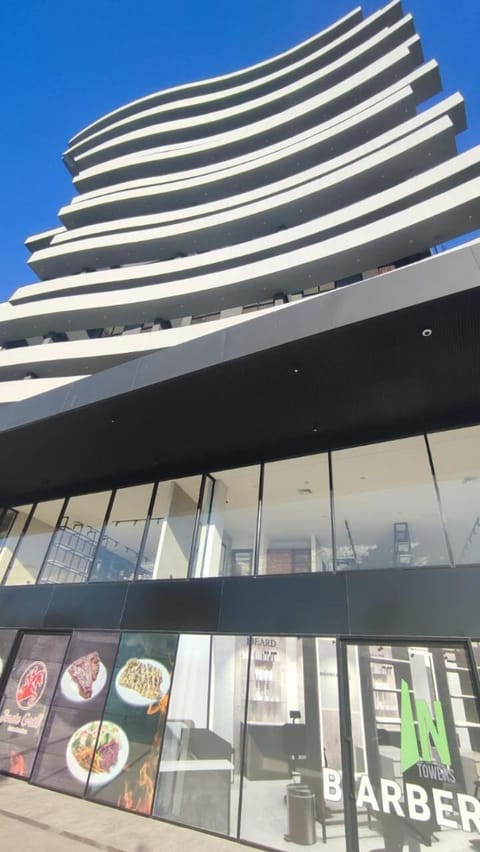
(168, 541)
(456, 458)
(413, 502)
(247, 737)
(386, 508)
(228, 521)
(74, 543)
(296, 527)
(292, 740)
(199, 779)
(27, 562)
(416, 747)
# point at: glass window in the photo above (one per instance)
(65, 755)
(26, 700)
(117, 556)
(12, 524)
(168, 542)
(456, 459)
(7, 638)
(30, 554)
(130, 736)
(75, 541)
(386, 508)
(199, 778)
(291, 792)
(416, 747)
(296, 528)
(228, 519)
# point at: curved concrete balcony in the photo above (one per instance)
(15, 390)
(291, 215)
(433, 143)
(84, 357)
(188, 107)
(166, 127)
(265, 175)
(216, 84)
(374, 82)
(141, 113)
(415, 227)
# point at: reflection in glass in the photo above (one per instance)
(293, 746)
(168, 542)
(75, 541)
(198, 782)
(30, 554)
(227, 528)
(456, 459)
(296, 529)
(117, 556)
(416, 747)
(12, 523)
(386, 509)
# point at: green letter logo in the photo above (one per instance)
(429, 728)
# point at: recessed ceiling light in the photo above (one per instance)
(427, 332)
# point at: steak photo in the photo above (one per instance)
(84, 673)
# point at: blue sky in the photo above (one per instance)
(62, 65)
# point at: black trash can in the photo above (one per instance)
(301, 815)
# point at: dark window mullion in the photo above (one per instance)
(439, 501)
(332, 513)
(346, 739)
(243, 744)
(258, 530)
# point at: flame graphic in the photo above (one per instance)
(159, 706)
(138, 795)
(17, 765)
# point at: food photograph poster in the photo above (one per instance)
(128, 747)
(25, 703)
(65, 754)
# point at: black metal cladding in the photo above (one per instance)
(433, 603)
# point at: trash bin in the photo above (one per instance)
(301, 815)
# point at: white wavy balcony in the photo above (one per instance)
(16, 390)
(217, 84)
(380, 31)
(363, 88)
(165, 127)
(228, 184)
(77, 358)
(433, 142)
(428, 222)
(174, 101)
(286, 213)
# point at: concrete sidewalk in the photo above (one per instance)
(35, 819)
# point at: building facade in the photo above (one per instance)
(240, 452)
